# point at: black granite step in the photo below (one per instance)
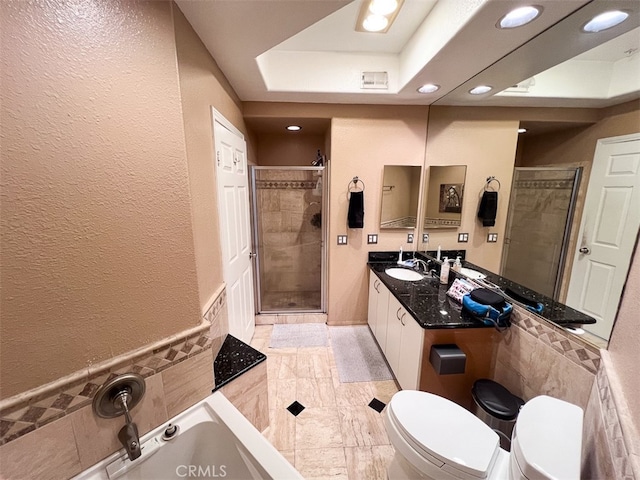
(234, 358)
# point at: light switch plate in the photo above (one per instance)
(372, 238)
(425, 238)
(409, 237)
(342, 239)
(463, 237)
(492, 237)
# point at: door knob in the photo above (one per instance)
(585, 250)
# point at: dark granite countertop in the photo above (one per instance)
(234, 358)
(427, 302)
(553, 310)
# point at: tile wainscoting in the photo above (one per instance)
(611, 446)
(51, 431)
(535, 357)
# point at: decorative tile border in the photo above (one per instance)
(580, 353)
(546, 184)
(403, 222)
(35, 408)
(619, 452)
(285, 184)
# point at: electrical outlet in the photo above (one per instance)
(492, 237)
(342, 239)
(425, 238)
(372, 238)
(409, 237)
(463, 237)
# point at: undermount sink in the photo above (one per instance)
(472, 274)
(403, 274)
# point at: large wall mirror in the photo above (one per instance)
(444, 192)
(400, 192)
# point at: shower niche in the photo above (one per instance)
(289, 232)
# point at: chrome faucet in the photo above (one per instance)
(421, 263)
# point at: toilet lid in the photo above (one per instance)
(447, 431)
(548, 438)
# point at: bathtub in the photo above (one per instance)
(214, 440)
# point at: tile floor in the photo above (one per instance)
(337, 435)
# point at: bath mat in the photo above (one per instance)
(299, 335)
(357, 355)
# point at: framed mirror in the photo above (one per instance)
(400, 193)
(444, 192)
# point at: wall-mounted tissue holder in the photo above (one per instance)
(447, 359)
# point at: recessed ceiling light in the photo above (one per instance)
(519, 16)
(428, 88)
(383, 7)
(294, 128)
(605, 20)
(522, 130)
(480, 89)
(375, 23)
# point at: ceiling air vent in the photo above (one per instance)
(375, 80)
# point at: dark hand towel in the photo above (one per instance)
(355, 216)
(488, 208)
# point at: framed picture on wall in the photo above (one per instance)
(451, 197)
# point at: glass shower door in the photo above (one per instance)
(288, 234)
(538, 227)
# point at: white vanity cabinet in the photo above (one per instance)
(400, 337)
(378, 304)
(404, 346)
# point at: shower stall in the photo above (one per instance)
(289, 229)
(538, 227)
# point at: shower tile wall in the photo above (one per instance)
(540, 201)
(289, 239)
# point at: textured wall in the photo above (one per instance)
(97, 245)
(202, 85)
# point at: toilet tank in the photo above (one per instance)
(547, 440)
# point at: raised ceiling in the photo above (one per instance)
(309, 51)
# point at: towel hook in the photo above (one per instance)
(488, 184)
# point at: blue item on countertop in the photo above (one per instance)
(497, 313)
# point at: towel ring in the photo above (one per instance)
(355, 184)
(488, 184)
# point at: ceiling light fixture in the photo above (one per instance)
(294, 128)
(519, 16)
(605, 21)
(428, 88)
(376, 16)
(480, 89)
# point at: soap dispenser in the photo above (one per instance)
(457, 266)
(444, 271)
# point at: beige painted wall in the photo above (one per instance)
(625, 339)
(361, 146)
(485, 140)
(97, 243)
(202, 85)
(293, 149)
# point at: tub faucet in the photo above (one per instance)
(128, 435)
(117, 397)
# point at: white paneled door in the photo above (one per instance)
(608, 232)
(233, 207)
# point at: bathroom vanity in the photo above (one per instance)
(408, 318)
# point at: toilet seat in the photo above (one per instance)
(444, 433)
(547, 441)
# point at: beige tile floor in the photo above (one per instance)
(336, 436)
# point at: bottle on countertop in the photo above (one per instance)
(444, 271)
(457, 266)
(438, 253)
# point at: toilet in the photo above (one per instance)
(435, 438)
